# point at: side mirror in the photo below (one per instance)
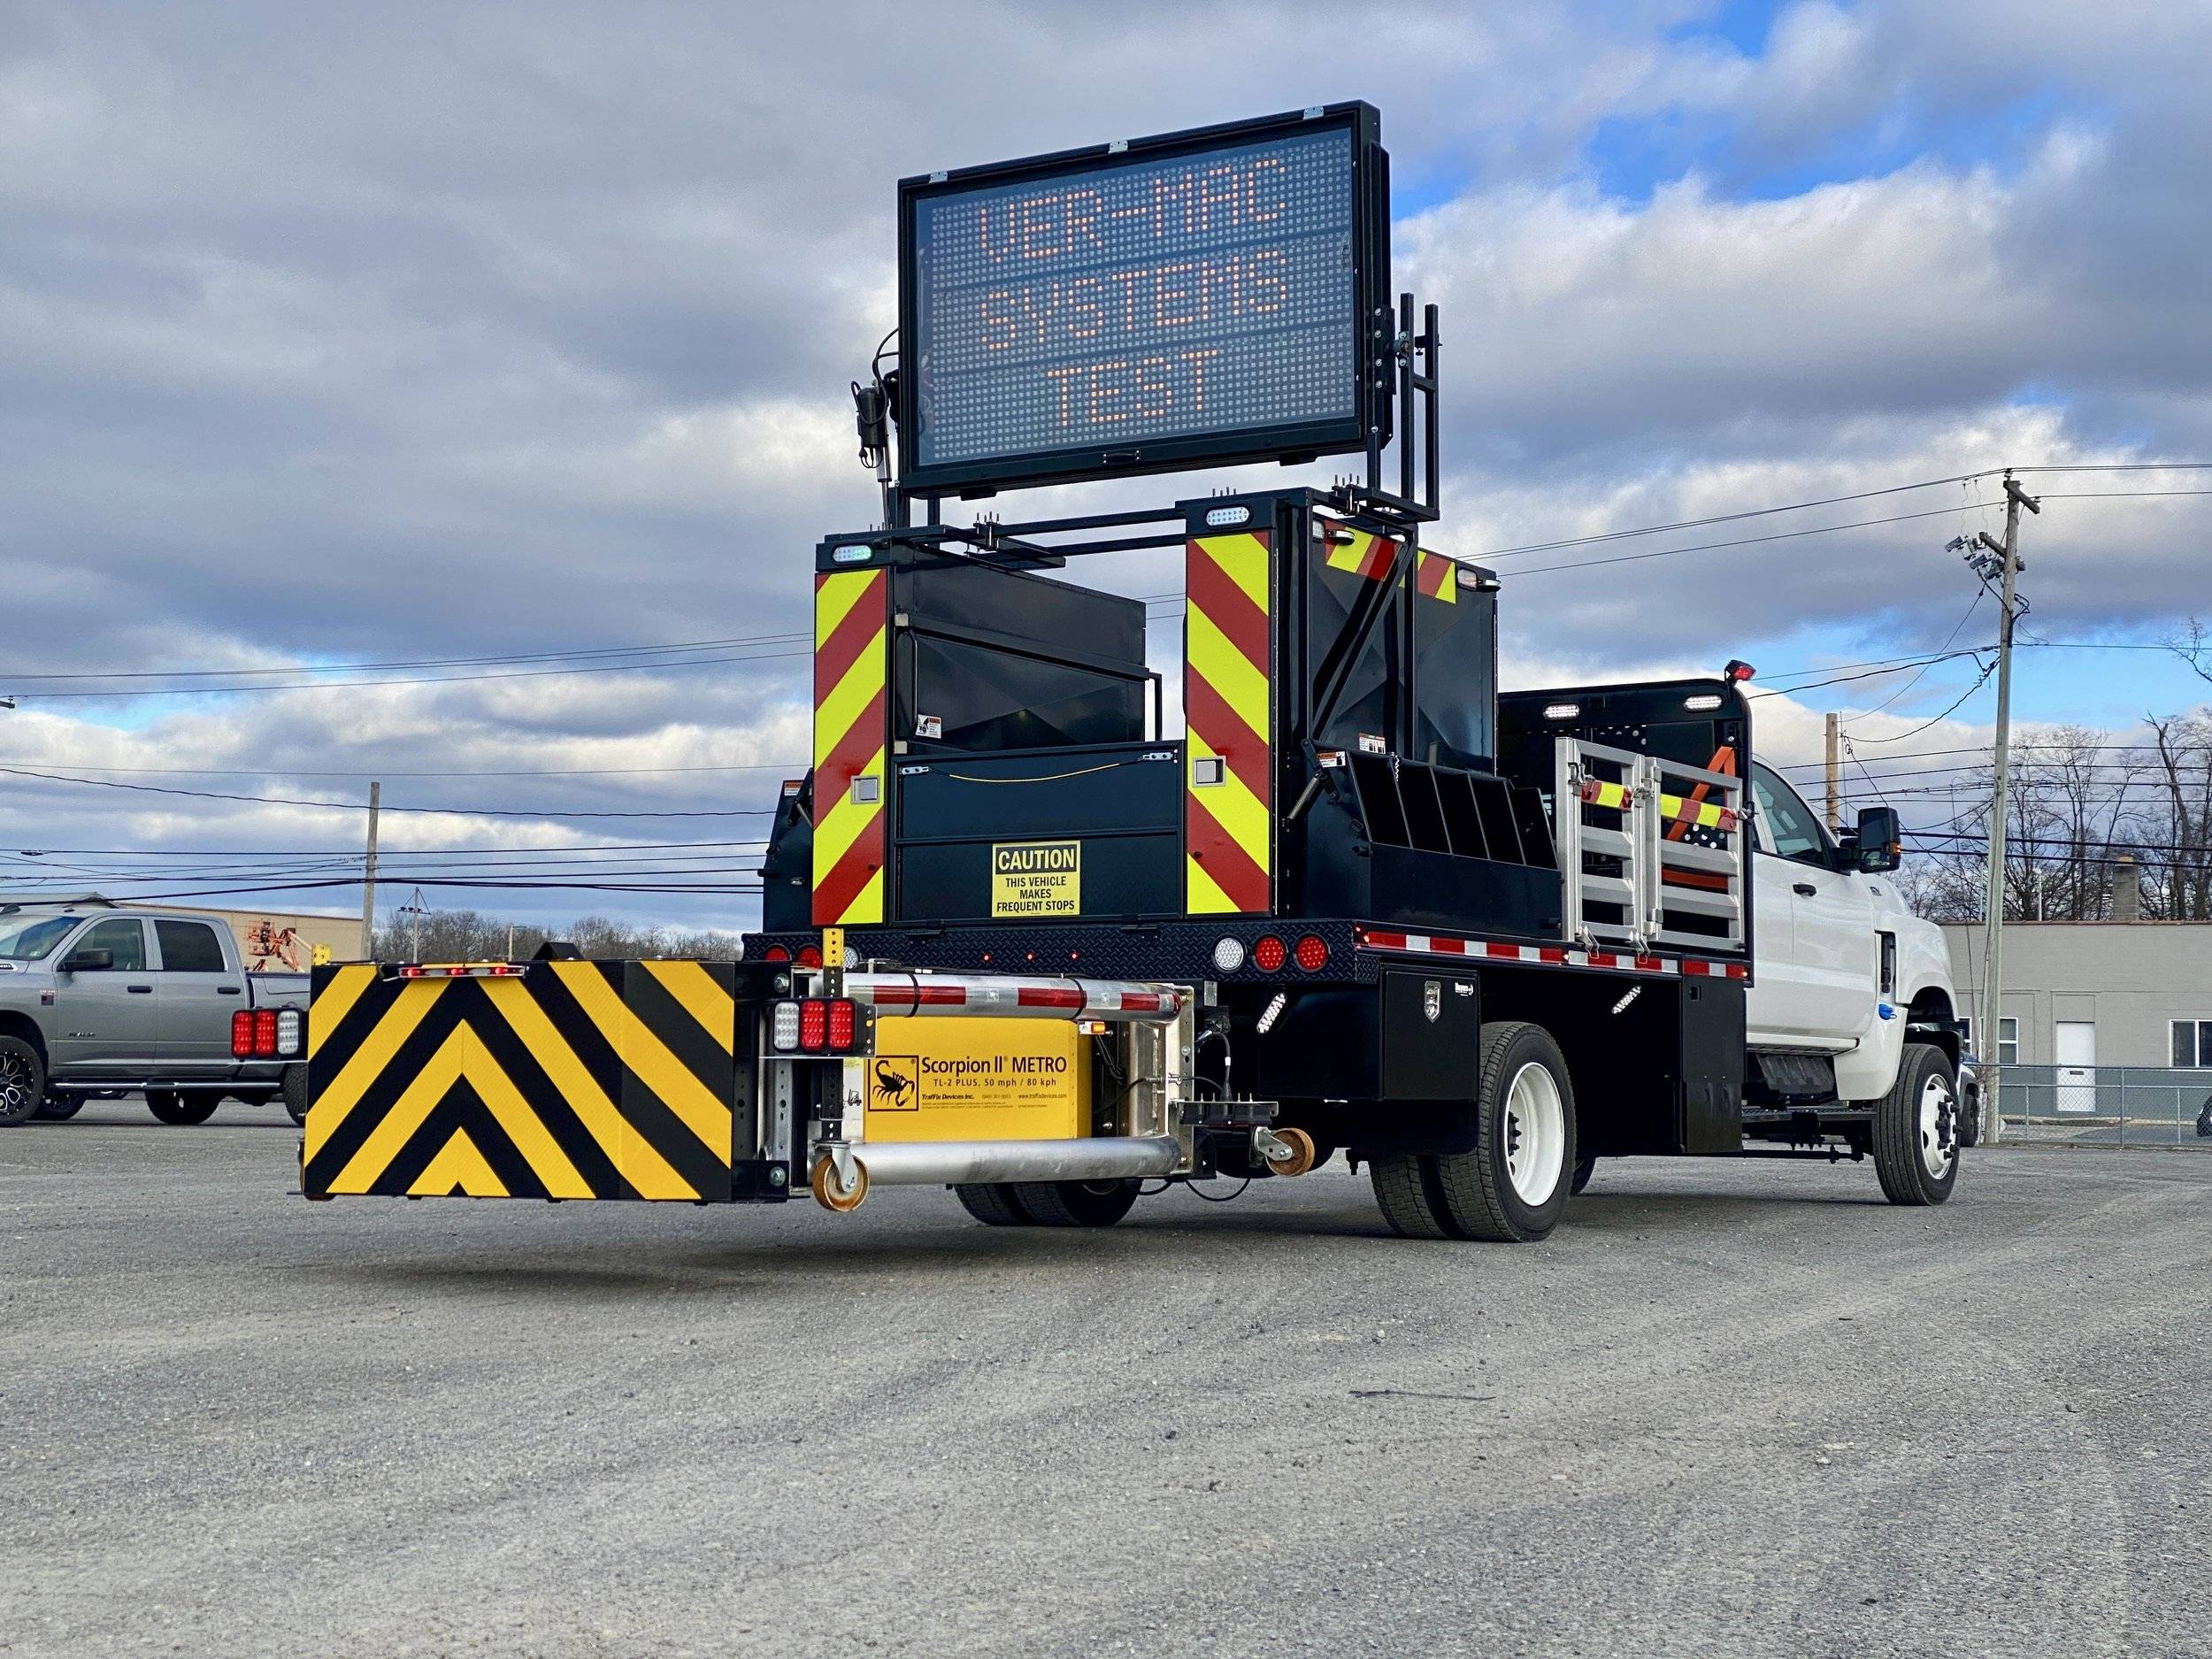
(88, 961)
(1880, 840)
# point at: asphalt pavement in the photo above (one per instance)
(1728, 1408)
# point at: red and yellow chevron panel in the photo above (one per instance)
(1228, 663)
(852, 728)
(1369, 556)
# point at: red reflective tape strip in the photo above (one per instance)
(1047, 997)
(853, 873)
(850, 637)
(1242, 750)
(1711, 881)
(1375, 564)
(1225, 863)
(1146, 1002)
(1209, 590)
(1388, 941)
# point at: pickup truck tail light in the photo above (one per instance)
(266, 1033)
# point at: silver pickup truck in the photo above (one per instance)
(96, 1001)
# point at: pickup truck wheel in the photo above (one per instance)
(296, 1092)
(172, 1108)
(1076, 1203)
(55, 1108)
(22, 1082)
(1586, 1166)
(1511, 1188)
(993, 1204)
(1917, 1129)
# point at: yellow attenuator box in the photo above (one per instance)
(976, 1079)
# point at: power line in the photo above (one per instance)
(421, 662)
(355, 806)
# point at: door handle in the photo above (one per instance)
(226, 990)
(1805, 887)
(139, 990)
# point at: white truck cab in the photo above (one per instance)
(1843, 971)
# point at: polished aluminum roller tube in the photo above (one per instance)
(947, 1163)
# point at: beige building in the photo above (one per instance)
(2096, 993)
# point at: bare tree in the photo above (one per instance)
(472, 936)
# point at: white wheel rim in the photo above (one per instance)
(1938, 1127)
(1535, 1134)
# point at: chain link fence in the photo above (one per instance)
(2107, 1106)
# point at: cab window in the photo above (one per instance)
(1791, 830)
(126, 938)
(188, 948)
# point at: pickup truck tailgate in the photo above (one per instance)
(551, 1079)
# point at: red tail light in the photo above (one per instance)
(776, 953)
(1269, 954)
(1313, 953)
(840, 1024)
(809, 955)
(813, 1024)
(241, 1034)
(264, 1034)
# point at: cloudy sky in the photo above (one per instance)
(468, 339)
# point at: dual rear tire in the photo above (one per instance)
(1511, 1187)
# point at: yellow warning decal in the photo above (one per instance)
(977, 1079)
(1031, 880)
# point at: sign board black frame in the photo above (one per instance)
(1367, 321)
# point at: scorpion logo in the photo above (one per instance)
(892, 1090)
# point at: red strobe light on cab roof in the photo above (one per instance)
(1313, 953)
(1268, 954)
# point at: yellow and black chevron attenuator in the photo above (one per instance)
(574, 1080)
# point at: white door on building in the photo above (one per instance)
(2076, 1053)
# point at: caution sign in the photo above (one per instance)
(1031, 880)
(977, 1079)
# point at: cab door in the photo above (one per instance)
(196, 991)
(103, 1021)
(1816, 986)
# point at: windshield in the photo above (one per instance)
(27, 938)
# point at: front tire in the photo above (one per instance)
(180, 1110)
(1915, 1129)
(22, 1082)
(1077, 1203)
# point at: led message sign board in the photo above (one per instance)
(1202, 297)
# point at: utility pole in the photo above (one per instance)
(368, 879)
(2008, 553)
(414, 907)
(1835, 777)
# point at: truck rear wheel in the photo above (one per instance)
(1404, 1184)
(1077, 1203)
(1511, 1188)
(58, 1108)
(1586, 1166)
(22, 1081)
(1917, 1129)
(172, 1108)
(995, 1205)
(296, 1092)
